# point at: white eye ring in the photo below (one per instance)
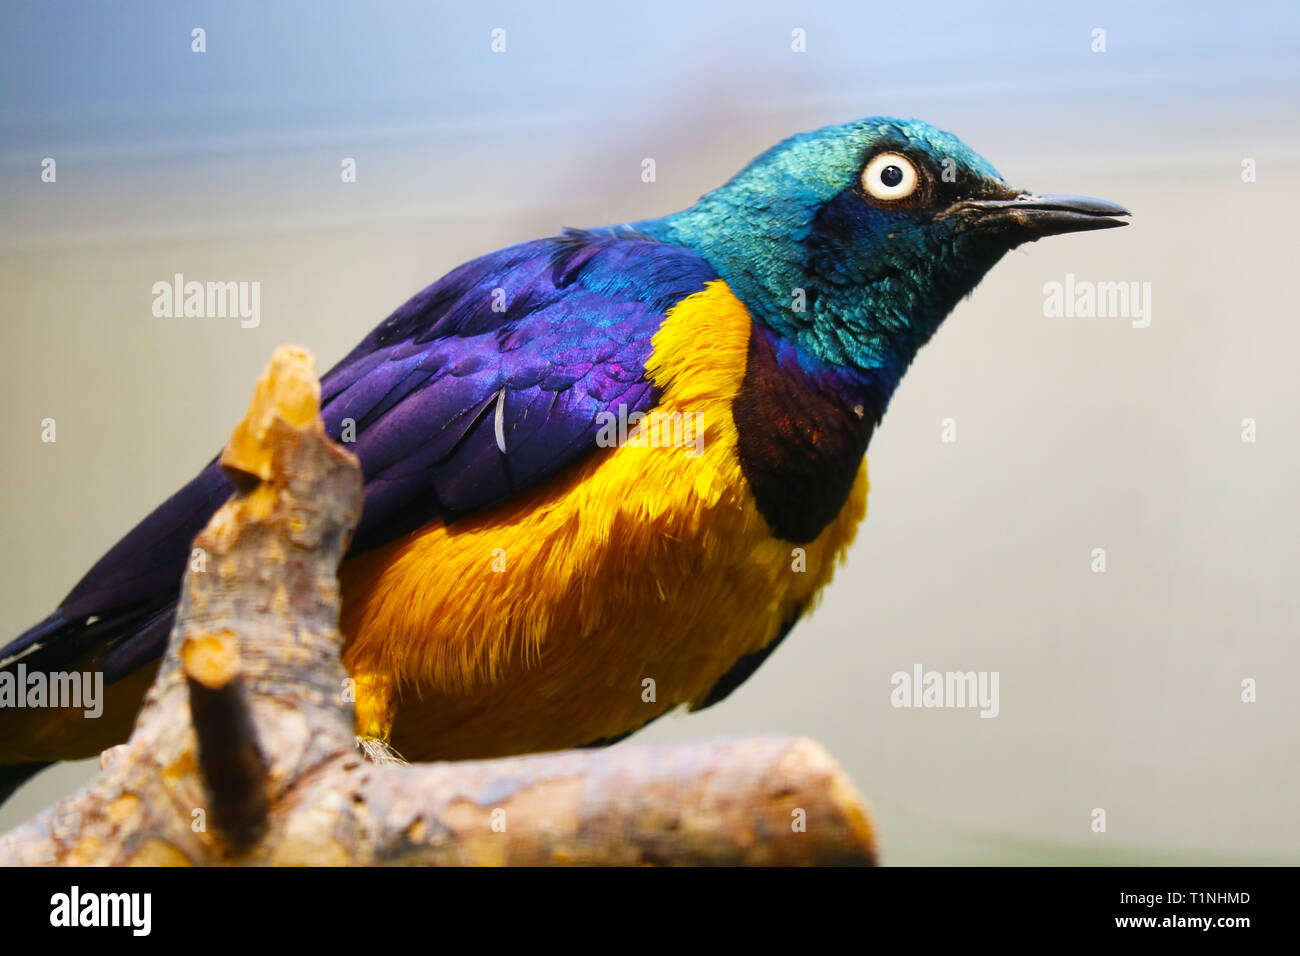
(890, 176)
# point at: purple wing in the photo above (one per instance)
(521, 350)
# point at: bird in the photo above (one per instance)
(605, 472)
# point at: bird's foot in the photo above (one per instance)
(377, 750)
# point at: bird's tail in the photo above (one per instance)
(109, 631)
(111, 676)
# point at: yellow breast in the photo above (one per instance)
(627, 585)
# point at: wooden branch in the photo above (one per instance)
(230, 755)
(244, 749)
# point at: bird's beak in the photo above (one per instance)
(1031, 216)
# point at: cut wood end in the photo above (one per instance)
(111, 756)
(211, 659)
(288, 390)
(857, 815)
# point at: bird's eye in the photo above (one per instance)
(890, 176)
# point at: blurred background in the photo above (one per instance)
(1119, 690)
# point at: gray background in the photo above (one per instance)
(1118, 690)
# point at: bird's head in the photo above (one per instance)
(857, 240)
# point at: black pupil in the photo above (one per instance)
(891, 176)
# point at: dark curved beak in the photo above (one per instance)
(1034, 216)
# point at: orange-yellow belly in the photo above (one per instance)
(624, 587)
